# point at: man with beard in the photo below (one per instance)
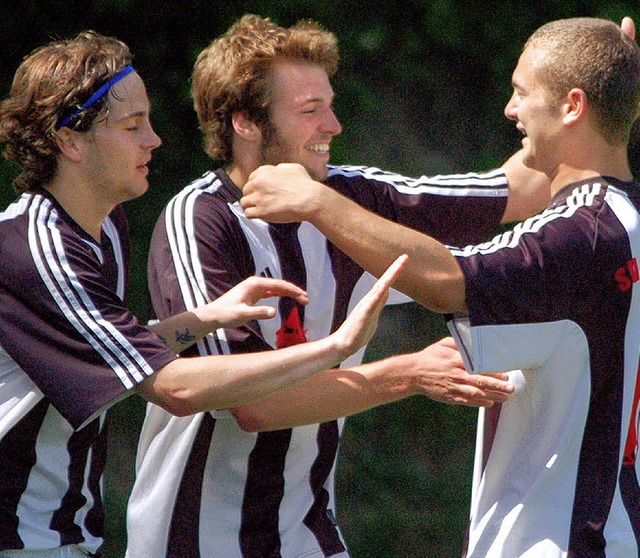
(257, 480)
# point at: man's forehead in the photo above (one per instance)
(128, 97)
(299, 81)
(530, 60)
(537, 55)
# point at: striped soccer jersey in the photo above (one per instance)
(206, 488)
(557, 300)
(68, 350)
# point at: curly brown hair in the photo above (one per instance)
(51, 84)
(230, 75)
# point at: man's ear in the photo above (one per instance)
(246, 128)
(575, 106)
(69, 144)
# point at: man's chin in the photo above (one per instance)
(529, 161)
(319, 175)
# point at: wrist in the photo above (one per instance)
(403, 373)
(204, 322)
(321, 207)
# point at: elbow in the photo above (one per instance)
(445, 305)
(252, 418)
(177, 401)
(439, 286)
(445, 301)
(178, 407)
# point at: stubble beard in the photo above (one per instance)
(273, 152)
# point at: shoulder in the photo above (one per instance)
(490, 183)
(207, 192)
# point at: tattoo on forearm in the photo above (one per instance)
(185, 337)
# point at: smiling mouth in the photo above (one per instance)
(318, 148)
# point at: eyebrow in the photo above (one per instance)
(307, 100)
(135, 114)
(517, 83)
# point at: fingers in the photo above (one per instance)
(391, 274)
(455, 386)
(379, 292)
(266, 287)
(361, 323)
(629, 27)
(258, 172)
(474, 396)
(491, 383)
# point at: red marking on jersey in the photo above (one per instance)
(291, 332)
(626, 275)
(631, 445)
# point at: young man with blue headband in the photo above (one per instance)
(99, 95)
(76, 122)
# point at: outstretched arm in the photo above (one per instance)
(529, 190)
(190, 385)
(432, 276)
(235, 308)
(437, 372)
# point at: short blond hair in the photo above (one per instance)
(594, 55)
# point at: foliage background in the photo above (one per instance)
(420, 90)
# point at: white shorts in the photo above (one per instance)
(68, 551)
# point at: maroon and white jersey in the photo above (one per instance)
(557, 300)
(206, 488)
(68, 350)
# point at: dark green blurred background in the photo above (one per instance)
(420, 90)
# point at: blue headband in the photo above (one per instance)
(97, 95)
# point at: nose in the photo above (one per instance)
(331, 123)
(152, 139)
(511, 110)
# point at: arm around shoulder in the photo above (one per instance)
(529, 190)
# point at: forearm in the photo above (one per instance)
(329, 395)
(191, 385)
(235, 307)
(432, 276)
(437, 372)
(529, 190)
(181, 331)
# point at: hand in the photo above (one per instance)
(280, 194)
(629, 27)
(442, 377)
(237, 306)
(360, 325)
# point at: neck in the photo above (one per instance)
(238, 175)
(246, 157)
(610, 161)
(81, 203)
